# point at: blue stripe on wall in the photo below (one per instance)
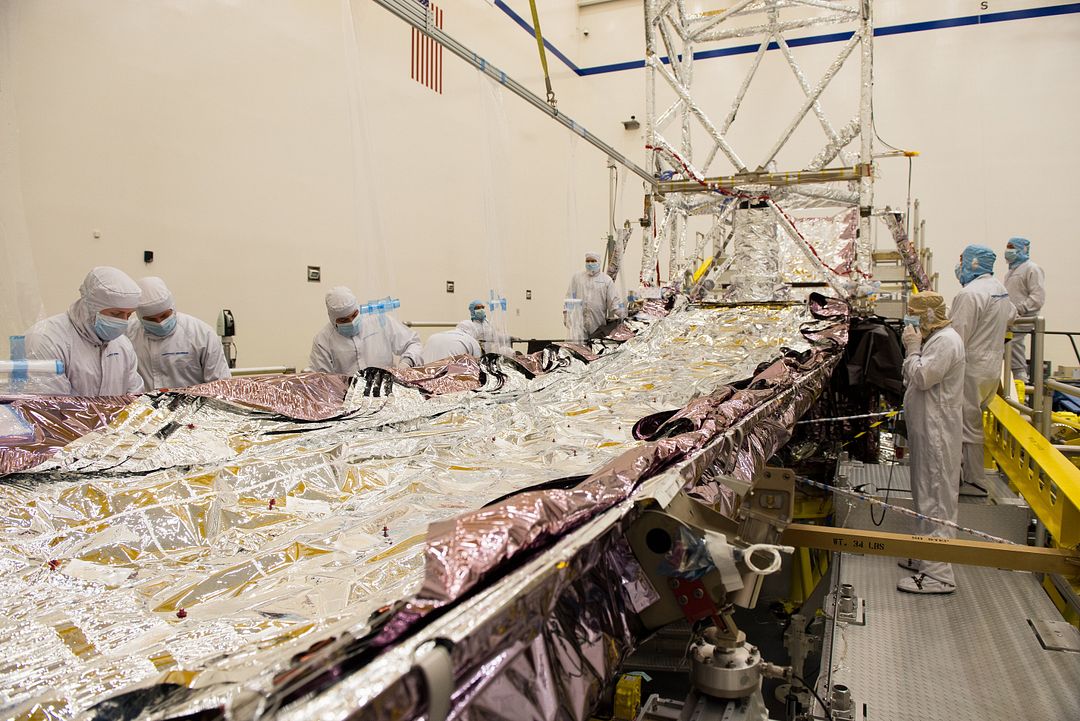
(529, 29)
(1041, 12)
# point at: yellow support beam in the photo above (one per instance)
(931, 548)
(1047, 480)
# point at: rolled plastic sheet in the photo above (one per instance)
(755, 268)
(833, 240)
(197, 545)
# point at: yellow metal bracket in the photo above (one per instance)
(1046, 479)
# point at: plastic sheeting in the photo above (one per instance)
(202, 544)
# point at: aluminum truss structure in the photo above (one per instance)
(838, 176)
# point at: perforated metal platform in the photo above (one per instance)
(875, 478)
(971, 655)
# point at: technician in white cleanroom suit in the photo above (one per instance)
(981, 313)
(89, 339)
(1025, 282)
(484, 331)
(450, 343)
(600, 299)
(175, 350)
(933, 409)
(351, 342)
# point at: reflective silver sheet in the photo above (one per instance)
(203, 545)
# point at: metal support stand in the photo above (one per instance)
(689, 185)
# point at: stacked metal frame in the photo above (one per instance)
(676, 121)
(176, 558)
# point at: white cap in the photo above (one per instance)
(592, 256)
(106, 287)
(155, 297)
(340, 302)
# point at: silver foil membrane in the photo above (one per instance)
(755, 267)
(202, 543)
(833, 239)
(547, 636)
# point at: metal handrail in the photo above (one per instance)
(1063, 388)
(1019, 407)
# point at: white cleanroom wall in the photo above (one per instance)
(219, 135)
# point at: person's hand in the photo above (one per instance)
(912, 340)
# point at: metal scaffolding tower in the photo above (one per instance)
(690, 149)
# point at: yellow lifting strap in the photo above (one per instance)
(543, 55)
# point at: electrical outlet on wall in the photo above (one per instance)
(314, 274)
(449, 286)
(528, 295)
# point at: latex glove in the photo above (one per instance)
(912, 340)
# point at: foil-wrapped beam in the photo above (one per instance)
(755, 268)
(894, 221)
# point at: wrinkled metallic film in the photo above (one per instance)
(306, 396)
(832, 237)
(196, 540)
(755, 269)
(792, 383)
(57, 422)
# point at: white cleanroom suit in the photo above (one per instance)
(597, 297)
(451, 343)
(366, 341)
(981, 313)
(178, 352)
(1026, 284)
(933, 410)
(93, 366)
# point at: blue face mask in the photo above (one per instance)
(1010, 255)
(162, 329)
(109, 329)
(350, 329)
(478, 314)
(912, 320)
(592, 267)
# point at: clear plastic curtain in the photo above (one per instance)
(374, 283)
(617, 233)
(495, 154)
(20, 297)
(573, 309)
